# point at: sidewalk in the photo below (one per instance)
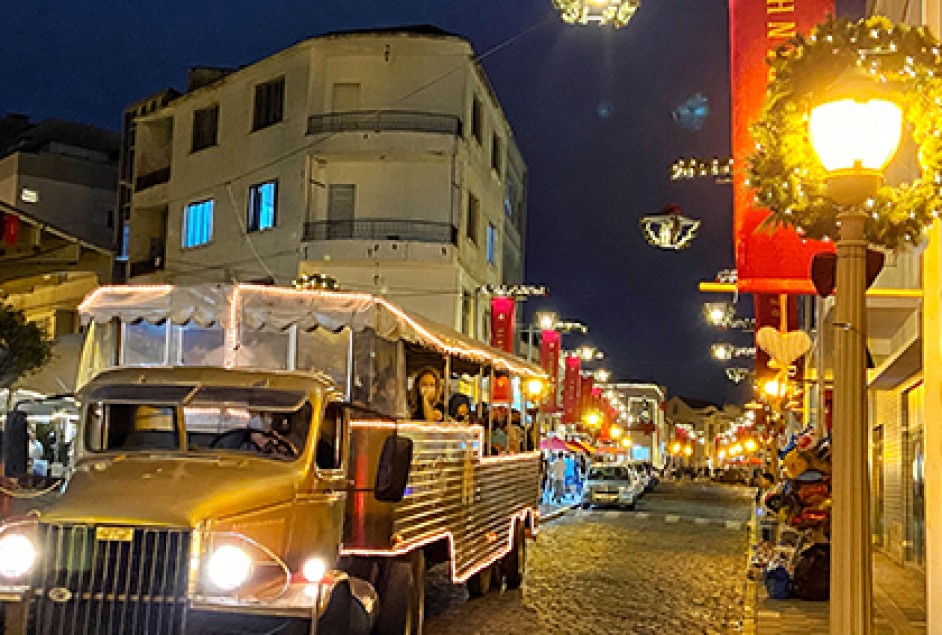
(899, 606)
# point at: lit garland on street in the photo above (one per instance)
(670, 229)
(784, 171)
(615, 12)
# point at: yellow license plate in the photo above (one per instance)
(114, 534)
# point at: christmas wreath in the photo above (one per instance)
(784, 172)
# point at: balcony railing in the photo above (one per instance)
(377, 120)
(151, 179)
(382, 229)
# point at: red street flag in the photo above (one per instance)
(572, 389)
(550, 342)
(502, 322)
(777, 261)
(11, 229)
(587, 394)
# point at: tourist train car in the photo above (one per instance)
(245, 462)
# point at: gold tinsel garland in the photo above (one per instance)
(784, 172)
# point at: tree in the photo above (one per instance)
(24, 347)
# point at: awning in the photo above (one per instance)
(58, 376)
(579, 446)
(277, 308)
(555, 444)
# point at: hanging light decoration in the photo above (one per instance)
(670, 229)
(615, 12)
(738, 374)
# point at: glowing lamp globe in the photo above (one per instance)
(855, 131)
(856, 135)
(751, 445)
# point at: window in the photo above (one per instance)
(491, 244)
(269, 103)
(497, 154)
(205, 127)
(477, 120)
(474, 213)
(198, 223)
(263, 200)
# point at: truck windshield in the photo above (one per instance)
(269, 423)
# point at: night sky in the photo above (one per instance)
(591, 110)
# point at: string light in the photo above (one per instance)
(720, 170)
(616, 13)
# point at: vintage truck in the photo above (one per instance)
(244, 462)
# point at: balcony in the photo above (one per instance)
(151, 179)
(382, 229)
(384, 120)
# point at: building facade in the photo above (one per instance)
(57, 201)
(379, 158)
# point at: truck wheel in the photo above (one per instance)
(395, 593)
(480, 583)
(514, 564)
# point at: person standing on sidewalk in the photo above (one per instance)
(559, 478)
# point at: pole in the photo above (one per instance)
(851, 575)
(530, 343)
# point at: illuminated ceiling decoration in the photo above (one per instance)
(720, 170)
(602, 12)
(737, 374)
(670, 229)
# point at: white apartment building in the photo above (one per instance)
(380, 158)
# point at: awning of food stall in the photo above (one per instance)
(555, 444)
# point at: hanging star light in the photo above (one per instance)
(615, 12)
(738, 374)
(670, 229)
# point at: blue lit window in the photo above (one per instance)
(262, 201)
(198, 223)
(491, 244)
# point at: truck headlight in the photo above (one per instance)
(17, 555)
(314, 570)
(229, 567)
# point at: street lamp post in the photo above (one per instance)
(855, 134)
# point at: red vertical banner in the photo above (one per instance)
(502, 322)
(550, 342)
(11, 229)
(588, 397)
(502, 392)
(766, 261)
(572, 388)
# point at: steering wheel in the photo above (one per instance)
(274, 443)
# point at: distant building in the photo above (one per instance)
(381, 158)
(646, 423)
(57, 201)
(696, 423)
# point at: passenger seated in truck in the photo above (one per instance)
(459, 408)
(426, 396)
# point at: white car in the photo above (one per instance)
(611, 485)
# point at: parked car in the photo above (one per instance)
(611, 485)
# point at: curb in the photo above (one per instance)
(751, 587)
(556, 513)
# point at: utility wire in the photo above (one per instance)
(474, 59)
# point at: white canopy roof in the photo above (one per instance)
(276, 308)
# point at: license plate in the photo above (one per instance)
(114, 534)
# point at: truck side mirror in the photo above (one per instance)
(392, 473)
(15, 445)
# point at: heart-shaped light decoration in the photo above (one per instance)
(783, 348)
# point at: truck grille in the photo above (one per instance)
(99, 586)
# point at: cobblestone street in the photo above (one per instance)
(675, 565)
